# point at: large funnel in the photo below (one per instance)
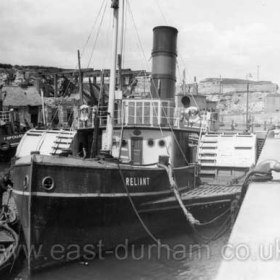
(164, 55)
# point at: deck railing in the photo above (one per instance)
(142, 112)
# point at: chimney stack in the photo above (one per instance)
(164, 55)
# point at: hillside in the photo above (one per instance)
(230, 94)
(227, 85)
(19, 75)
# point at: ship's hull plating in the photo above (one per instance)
(88, 210)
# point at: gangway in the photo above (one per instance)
(226, 156)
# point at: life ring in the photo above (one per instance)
(84, 113)
(4, 146)
(191, 114)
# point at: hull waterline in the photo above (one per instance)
(89, 209)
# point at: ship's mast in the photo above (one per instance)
(120, 53)
(80, 79)
(111, 102)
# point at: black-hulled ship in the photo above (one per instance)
(10, 134)
(67, 197)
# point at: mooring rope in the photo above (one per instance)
(176, 192)
(190, 218)
(145, 227)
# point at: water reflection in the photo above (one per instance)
(142, 262)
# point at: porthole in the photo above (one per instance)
(161, 143)
(25, 182)
(48, 183)
(151, 142)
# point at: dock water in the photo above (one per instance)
(142, 261)
(138, 263)
(180, 256)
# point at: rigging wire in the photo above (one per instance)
(92, 28)
(109, 23)
(202, 238)
(216, 234)
(102, 7)
(121, 173)
(164, 111)
(137, 33)
(179, 54)
(97, 35)
(156, 240)
(87, 41)
(160, 10)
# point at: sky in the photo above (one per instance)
(216, 38)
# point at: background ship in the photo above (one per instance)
(10, 134)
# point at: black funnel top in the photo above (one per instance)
(164, 55)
